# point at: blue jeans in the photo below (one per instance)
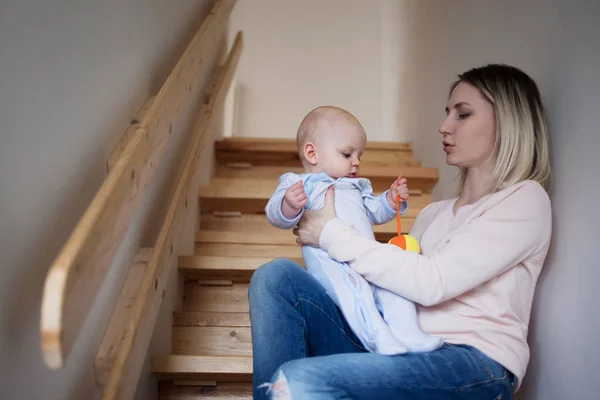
(301, 340)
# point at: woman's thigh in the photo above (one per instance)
(452, 372)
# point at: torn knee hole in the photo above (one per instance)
(279, 390)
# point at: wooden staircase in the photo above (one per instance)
(211, 341)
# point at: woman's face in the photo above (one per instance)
(469, 129)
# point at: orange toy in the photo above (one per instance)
(405, 242)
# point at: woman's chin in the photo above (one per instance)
(452, 161)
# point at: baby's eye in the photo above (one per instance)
(347, 155)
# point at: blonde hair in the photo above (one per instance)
(521, 129)
(309, 126)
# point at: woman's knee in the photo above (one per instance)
(292, 378)
(269, 277)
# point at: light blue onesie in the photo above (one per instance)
(384, 322)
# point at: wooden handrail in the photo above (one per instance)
(80, 268)
(137, 332)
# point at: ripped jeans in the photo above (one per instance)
(304, 349)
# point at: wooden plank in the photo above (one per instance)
(121, 314)
(216, 299)
(258, 224)
(119, 150)
(245, 144)
(275, 237)
(381, 177)
(250, 250)
(238, 269)
(222, 391)
(194, 383)
(220, 368)
(207, 318)
(252, 195)
(131, 354)
(263, 151)
(212, 341)
(80, 268)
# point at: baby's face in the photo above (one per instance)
(339, 148)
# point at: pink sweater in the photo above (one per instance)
(475, 279)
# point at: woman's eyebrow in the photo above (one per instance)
(459, 104)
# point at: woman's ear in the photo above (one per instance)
(310, 153)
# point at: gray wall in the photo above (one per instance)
(557, 43)
(72, 76)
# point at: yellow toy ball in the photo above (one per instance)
(406, 242)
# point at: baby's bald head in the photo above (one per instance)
(321, 121)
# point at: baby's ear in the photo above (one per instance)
(310, 153)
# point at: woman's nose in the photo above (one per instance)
(445, 127)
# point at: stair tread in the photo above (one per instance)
(249, 250)
(252, 195)
(238, 368)
(265, 151)
(222, 391)
(211, 318)
(245, 144)
(381, 176)
(224, 266)
(258, 225)
(253, 188)
(233, 237)
(212, 340)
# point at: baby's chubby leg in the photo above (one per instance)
(354, 296)
(401, 316)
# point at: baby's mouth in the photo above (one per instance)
(351, 175)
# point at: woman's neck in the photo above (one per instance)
(478, 183)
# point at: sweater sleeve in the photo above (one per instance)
(273, 207)
(501, 237)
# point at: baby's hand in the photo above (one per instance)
(294, 200)
(398, 188)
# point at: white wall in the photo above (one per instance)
(556, 42)
(72, 76)
(302, 54)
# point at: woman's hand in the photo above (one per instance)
(313, 221)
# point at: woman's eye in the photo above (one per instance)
(463, 115)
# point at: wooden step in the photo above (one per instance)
(187, 390)
(235, 237)
(258, 225)
(212, 341)
(249, 250)
(210, 318)
(237, 269)
(381, 177)
(263, 151)
(215, 299)
(252, 195)
(218, 368)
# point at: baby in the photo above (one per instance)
(330, 143)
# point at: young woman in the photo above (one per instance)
(481, 255)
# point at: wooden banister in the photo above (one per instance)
(126, 365)
(81, 266)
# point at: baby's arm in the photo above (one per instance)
(382, 209)
(286, 214)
